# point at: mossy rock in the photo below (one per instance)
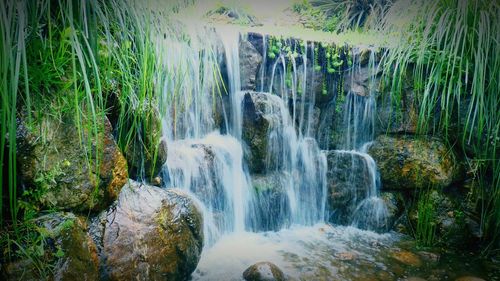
(407, 162)
(68, 253)
(256, 128)
(151, 234)
(58, 168)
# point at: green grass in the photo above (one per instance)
(425, 231)
(79, 62)
(451, 50)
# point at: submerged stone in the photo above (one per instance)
(264, 271)
(151, 234)
(469, 278)
(407, 258)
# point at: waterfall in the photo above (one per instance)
(297, 160)
(213, 168)
(230, 39)
(207, 165)
(368, 211)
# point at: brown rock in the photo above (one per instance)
(152, 234)
(60, 164)
(263, 271)
(407, 258)
(411, 163)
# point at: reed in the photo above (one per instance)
(451, 49)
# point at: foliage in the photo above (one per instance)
(240, 15)
(83, 60)
(346, 14)
(34, 243)
(315, 18)
(451, 47)
(425, 233)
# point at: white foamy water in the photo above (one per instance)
(312, 253)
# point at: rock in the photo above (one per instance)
(68, 248)
(346, 256)
(272, 201)
(469, 278)
(263, 271)
(263, 113)
(314, 86)
(452, 223)
(143, 164)
(394, 204)
(250, 61)
(429, 256)
(397, 115)
(151, 234)
(407, 258)
(56, 165)
(413, 278)
(362, 82)
(347, 180)
(407, 163)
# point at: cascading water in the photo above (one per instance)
(291, 147)
(201, 161)
(212, 167)
(368, 210)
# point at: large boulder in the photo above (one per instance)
(66, 247)
(151, 234)
(264, 271)
(60, 164)
(407, 162)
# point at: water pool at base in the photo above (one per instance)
(325, 252)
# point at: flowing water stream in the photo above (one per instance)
(212, 167)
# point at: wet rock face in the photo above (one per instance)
(261, 114)
(347, 180)
(151, 234)
(397, 115)
(264, 271)
(250, 61)
(394, 203)
(272, 201)
(56, 165)
(68, 248)
(409, 163)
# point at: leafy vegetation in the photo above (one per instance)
(238, 14)
(352, 13)
(341, 15)
(451, 47)
(425, 232)
(316, 18)
(80, 62)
